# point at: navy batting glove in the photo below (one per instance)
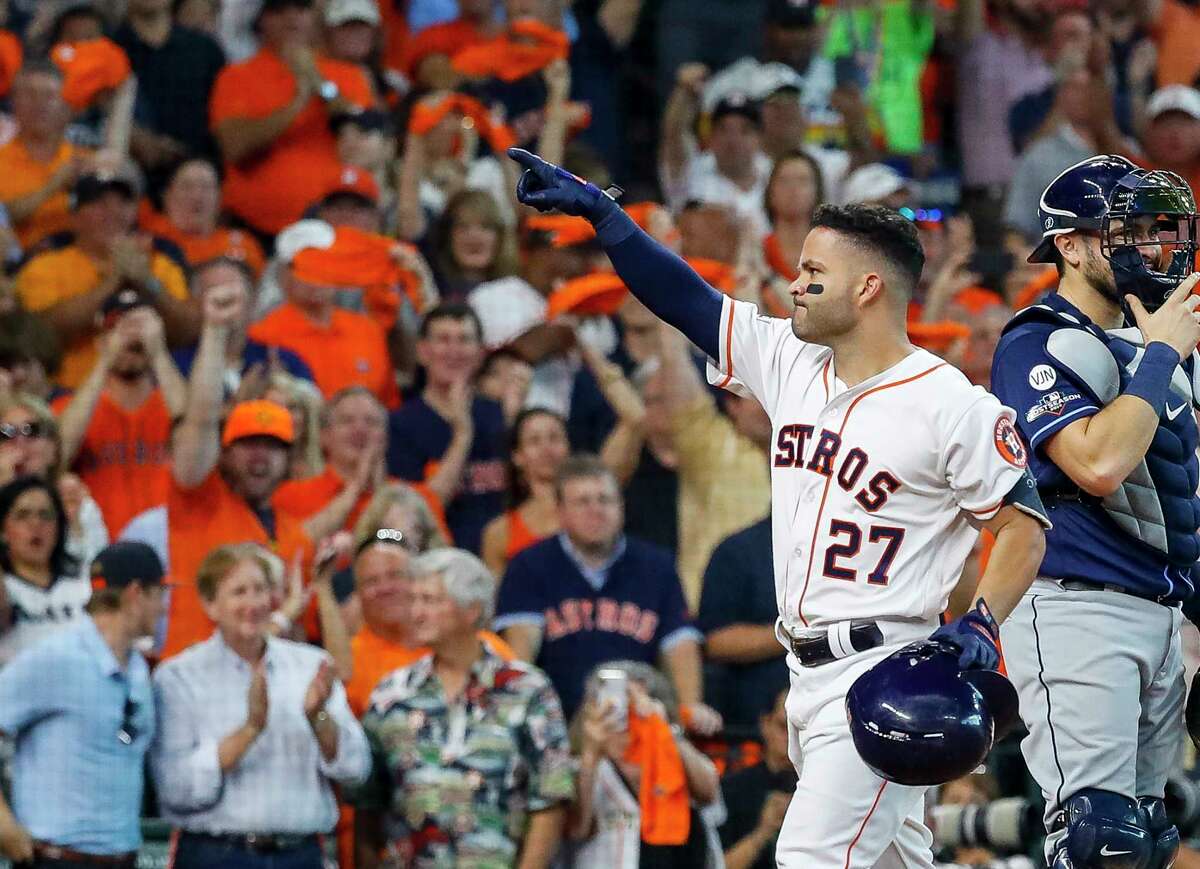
(976, 636)
(547, 187)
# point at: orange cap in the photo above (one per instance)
(258, 419)
(597, 293)
(90, 68)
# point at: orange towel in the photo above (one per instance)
(89, 68)
(527, 47)
(425, 116)
(716, 273)
(362, 259)
(564, 230)
(938, 337)
(597, 293)
(663, 794)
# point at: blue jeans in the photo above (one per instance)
(195, 852)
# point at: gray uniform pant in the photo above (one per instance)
(1100, 678)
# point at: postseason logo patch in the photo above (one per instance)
(1051, 403)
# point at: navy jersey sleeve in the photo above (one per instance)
(520, 600)
(1046, 396)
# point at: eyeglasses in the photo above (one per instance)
(11, 431)
(389, 536)
(128, 733)
(23, 514)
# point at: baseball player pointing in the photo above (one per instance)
(1103, 377)
(886, 462)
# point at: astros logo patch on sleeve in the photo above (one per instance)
(1008, 443)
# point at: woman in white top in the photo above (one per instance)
(43, 589)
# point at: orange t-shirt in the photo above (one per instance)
(350, 351)
(306, 498)
(21, 174)
(199, 520)
(446, 38)
(125, 459)
(272, 189)
(374, 658)
(232, 243)
(58, 275)
(1177, 32)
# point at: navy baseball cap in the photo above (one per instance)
(736, 104)
(124, 299)
(792, 13)
(125, 562)
(91, 187)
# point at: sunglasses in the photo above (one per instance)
(11, 431)
(389, 536)
(128, 733)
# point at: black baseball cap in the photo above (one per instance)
(91, 187)
(365, 119)
(124, 299)
(736, 104)
(125, 562)
(792, 13)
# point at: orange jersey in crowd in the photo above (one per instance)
(58, 275)
(125, 458)
(21, 174)
(350, 351)
(374, 658)
(199, 520)
(306, 498)
(235, 244)
(272, 188)
(12, 55)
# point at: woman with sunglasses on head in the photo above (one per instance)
(43, 589)
(30, 446)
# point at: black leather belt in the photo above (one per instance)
(815, 651)
(56, 853)
(259, 843)
(1085, 585)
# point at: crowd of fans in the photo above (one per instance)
(389, 478)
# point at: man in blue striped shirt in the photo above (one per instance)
(80, 708)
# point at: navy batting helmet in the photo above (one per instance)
(916, 719)
(1155, 215)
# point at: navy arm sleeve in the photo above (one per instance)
(662, 281)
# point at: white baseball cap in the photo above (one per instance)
(340, 12)
(303, 235)
(871, 183)
(1174, 98)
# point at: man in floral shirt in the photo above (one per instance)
(472, 763)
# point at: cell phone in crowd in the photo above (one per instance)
(613, 691)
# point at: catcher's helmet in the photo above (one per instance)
(916, 719)
(1155, 210)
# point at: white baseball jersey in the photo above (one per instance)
(874, 487)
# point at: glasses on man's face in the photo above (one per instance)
(128, 732)
(27, 514)
(11, 431)
(388, 536)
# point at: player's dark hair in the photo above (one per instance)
(450, 311)
(880, 230)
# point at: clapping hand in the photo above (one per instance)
(319, 690)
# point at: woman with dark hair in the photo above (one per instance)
(538, 447)
(43, 588)
(471, 244)
(793, 192)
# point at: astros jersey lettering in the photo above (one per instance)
(876, 488)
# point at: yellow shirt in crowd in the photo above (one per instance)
(59, 275)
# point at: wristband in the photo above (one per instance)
(612, 224)
(1152, 381)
